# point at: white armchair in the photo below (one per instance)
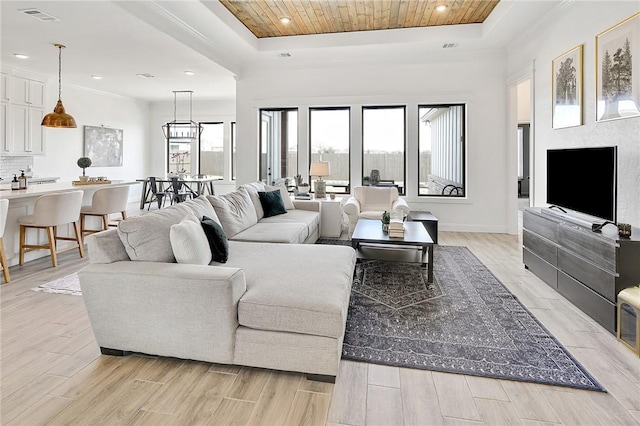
(369, 202)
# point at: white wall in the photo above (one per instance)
(477, 79)
(578, 23)
(65, 146)
(524, 102)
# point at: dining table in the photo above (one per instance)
(194, 185)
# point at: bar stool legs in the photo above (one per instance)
(105, 222)
(52, 238)
(3, 261)
(4, 210)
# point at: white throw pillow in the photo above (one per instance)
(189, 242)
(286, 199)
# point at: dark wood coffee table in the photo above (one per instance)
(369, 232)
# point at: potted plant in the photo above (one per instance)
(83, 163)
(386, 219)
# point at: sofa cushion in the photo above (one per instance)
(253, 189)
(309, 218)
(272, 204)
(201, 206)
(310, 296)
(291, 233)
(286, 199)
(189, 242)
(217, 239)
(146, 237)
(235, 211)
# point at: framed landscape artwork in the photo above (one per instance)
(103, 145)
(567, 89)
(618, 70)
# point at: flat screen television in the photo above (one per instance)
(584, 180)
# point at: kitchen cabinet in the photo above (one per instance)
(4, 119)
(21, 113)
(27, 92)
(5, 89)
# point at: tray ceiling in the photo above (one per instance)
(262, 17)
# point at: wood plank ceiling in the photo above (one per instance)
(263, 17)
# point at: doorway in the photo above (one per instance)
(524, 144)
(278, 145)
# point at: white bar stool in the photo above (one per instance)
(4, 209)
(105, 201)
(49, 212)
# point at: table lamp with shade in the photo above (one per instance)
(320, 169)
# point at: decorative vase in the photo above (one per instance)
(303, 188)
(83, 179)
(385, 227)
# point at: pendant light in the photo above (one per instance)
(182, 129)
(59, 118)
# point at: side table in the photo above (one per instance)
(429, 221)
(331, 217)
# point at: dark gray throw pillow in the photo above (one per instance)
(217, 239)
(272, 203)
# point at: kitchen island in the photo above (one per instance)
(21, 203)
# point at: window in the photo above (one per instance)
(441, 162)
(383, 146)
(278, 145)
(233, 150)
(329, 131)
(182, 138)
(211, 155)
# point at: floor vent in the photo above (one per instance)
(38, 14)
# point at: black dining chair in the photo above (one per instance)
(157, 192)
(179, 192)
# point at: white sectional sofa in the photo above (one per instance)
(274, 304)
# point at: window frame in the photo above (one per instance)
(202, 124)
(234, 158)
(463, 150)
(404, 152)
(334, 108)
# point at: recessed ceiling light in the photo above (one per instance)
(145, 75)
(189, 72)
(21, 56)
(285, 20)
(96, 77)
(441, 7)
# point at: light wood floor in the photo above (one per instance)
(53, 373)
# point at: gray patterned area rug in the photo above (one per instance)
(466, 322)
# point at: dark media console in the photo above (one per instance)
(588, 268)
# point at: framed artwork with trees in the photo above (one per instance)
(567, 89)
(618, 71)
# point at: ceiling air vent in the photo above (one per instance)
(449, 45)
(285, 55)
(145, 75)
(38, 14)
